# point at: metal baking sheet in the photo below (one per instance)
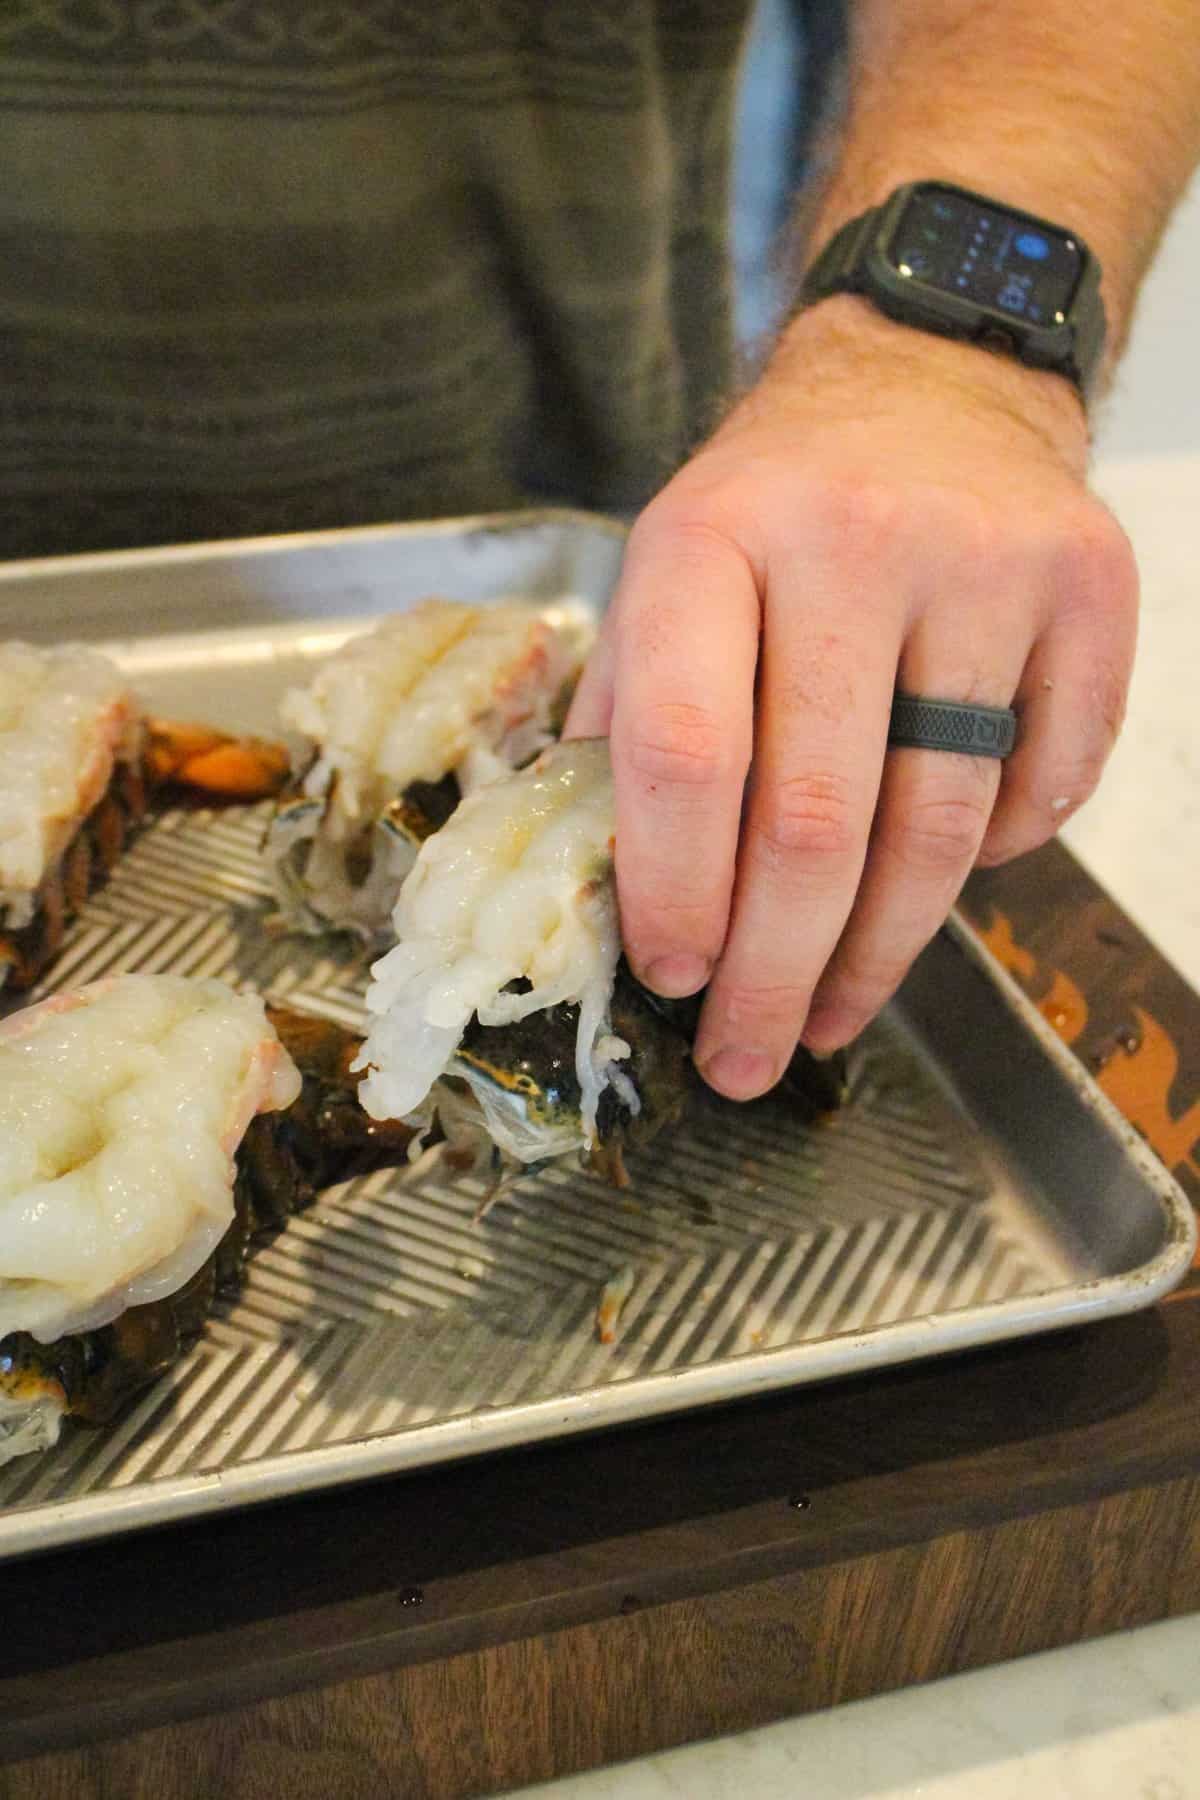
(977, 1186)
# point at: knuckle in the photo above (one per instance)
(807, 818)
(777, 1008)
(864, 979)
(938, 835)
(675, 913)
(982, 533)
(1094, 563)
(857, 511)
(677, 743)
(973, 531)
(1110, 692)
(669, 527)
(670, 914)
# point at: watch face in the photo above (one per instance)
(1014, 265)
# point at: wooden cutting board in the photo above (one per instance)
(487, 1625)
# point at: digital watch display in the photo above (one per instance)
(947, 260)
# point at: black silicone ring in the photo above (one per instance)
(919, 724)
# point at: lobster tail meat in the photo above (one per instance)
(150, 1128)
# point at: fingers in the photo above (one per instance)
(1071, 710)
(590, 713)
(933, 812)
(939, 814)
(1072, 694)
(1071, 701)
(843, 871)
(686, 647)
(826, 678)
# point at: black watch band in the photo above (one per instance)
(834, 270)
(992, 275)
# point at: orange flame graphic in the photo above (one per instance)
(1138, 1080)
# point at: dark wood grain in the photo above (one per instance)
(554, 1702)
(486, 1625)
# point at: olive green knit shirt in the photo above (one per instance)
(268, 265)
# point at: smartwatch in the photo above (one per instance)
(946, 260)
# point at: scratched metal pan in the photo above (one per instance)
(977, 1186)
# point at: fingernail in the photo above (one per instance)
(742, 1074)
(675, 976)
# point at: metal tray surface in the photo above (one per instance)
(977, 1186)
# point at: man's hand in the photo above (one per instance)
(884, 509)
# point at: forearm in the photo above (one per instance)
(1088, 114)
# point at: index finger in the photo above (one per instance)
(685, 647)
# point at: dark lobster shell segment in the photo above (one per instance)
(190, 765)
(87, 860)
(533, 1060)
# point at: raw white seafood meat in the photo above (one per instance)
(516, 888)
(66, 716)
(121, 1108)
(443, 688)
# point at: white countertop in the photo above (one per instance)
(1117, 1719)
(1140, 835)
